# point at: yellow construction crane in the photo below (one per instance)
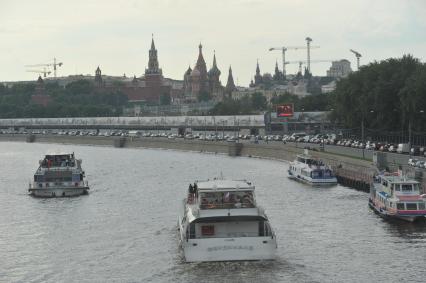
(301, 62)
(357, 55)
(55, 65)
(43, 72)
(285, 48)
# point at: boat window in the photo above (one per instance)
(38, 178)
(261, 228)
(421, 206)
(225, 200)
(397, 187)
(207, 230)
(192, 231)
(406, 187)
(58, 179)
(416, 187)
(411, 206)
(400, 206)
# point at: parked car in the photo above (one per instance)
(412, 162)
(403, 148)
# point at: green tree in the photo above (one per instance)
(258, 101)
(165, 99)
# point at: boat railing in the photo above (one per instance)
(193, 199)
(62, 184)
(56, 168)
(226, 205)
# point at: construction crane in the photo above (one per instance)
(285, 48)
(357, 55)
(55, 66)
(308, 46)
(43, 72)
(301, 62)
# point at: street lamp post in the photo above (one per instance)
(409, 130)
(363, 134)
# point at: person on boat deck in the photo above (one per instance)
(204, 202)
(190, 189)
(195, 190)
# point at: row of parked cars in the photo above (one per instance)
(368, 145)
(417, 163)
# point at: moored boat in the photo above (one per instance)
(221, 221)
(312, 171)
(395, 196)
(59, 175)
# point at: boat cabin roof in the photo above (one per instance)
(224, 185)
(398, 180)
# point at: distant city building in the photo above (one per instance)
(230, 85)
(198, 82)
(339, 69)
(146, 89)
(98, 77)
(40, 98)
(266, 80)
(330, 87)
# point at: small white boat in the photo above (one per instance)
(311, 171)
(221, 221)
(395, 196)
(59, 175)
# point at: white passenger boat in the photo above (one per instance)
(395, 196)
(59, 175)
(221, 221)
(311, 171)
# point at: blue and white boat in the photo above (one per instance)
(59, 175)
(312, 171)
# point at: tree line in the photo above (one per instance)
(387, 96)
(257, 103)
(78, 99)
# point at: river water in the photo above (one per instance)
(125, 229)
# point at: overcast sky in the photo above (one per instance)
(116, 35)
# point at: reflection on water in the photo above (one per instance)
(125, 229)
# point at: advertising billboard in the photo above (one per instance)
(285, 110)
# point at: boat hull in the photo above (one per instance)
(386, 215)
(59, 192)
(229, 249)
(313, 182)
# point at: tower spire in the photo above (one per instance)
(257, 68)
(230, 85)
(152, 42)
(214, 59)
(153, 66)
